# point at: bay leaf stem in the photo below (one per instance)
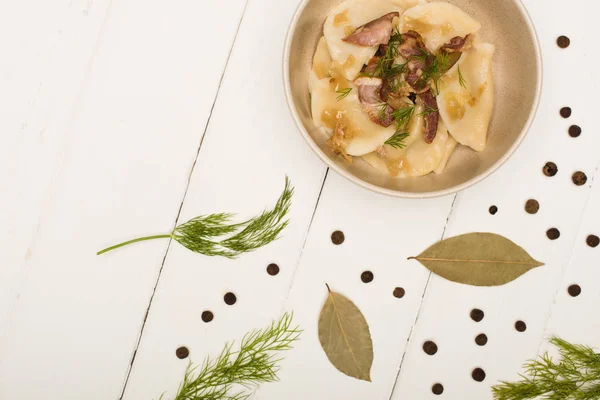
(116, 246)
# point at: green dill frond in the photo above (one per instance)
(442, 61)
(393, 76)
(575, 376)
(215, 235)
(427, 111)
(461, 80)
(263, 229)
(396, 69)
(342, 93)
(422, 56)
(438, 67)
(396, 37)
(386, 67)
(233, 374)
(403, 115)
(382, 110)
(397, 140)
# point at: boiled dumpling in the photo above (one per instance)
(422, 158)
(466, 109)
(448, 149)
(438, 23)
(361, 135)
(418, 158)
(387, 159)
(322, 64)
(345, 18)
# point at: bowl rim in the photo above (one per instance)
(397, 193)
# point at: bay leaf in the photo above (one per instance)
(345, 337)
(478, 259)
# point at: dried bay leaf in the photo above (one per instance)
(478, 259)
(345, 337)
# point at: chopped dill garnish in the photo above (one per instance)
(396, 69)
(403, 115)
(397, 140)
(461, 80)
(385, 66)
(342, 93)
(427, 111)
(438, 67)
(382, 111)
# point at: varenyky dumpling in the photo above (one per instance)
(360, 109)
(357, 134)
(438, 23)
(322, 64)
(466, 109)
(448, 149)
(345, 18)
(418, 158)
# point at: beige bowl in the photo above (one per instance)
(517, 66)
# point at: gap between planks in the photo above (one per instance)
(256, 391)
(412, 328)
(187, 186)
(306, 237)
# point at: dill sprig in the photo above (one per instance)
(216, 235)
(383, 107)
(397, 140)
(403, 115)
(461, 80)
(342, 93)
(386, 67)
(576, 376)
(427, 111)
(392, 47)
(437, 68)
(233, 374)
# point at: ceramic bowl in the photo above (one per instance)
(517, 66)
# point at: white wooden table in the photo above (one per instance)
(121, 117)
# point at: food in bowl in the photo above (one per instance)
(400, 83)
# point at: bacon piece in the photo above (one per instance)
(418, 84)
(431, 115)
(373, 33)
(394, 88)
(419, 58)
(458, 44)
(412, 46)
(369, 94)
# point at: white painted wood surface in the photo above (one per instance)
(120, 118)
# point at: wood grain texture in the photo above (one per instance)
(446, 306)
(104, 106)
(114, 163)
(241, 165)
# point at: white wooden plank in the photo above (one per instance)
(127, 150)
(46, 57)
(444, 317)
(250, 146)
(380, 234)
(574, 317)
